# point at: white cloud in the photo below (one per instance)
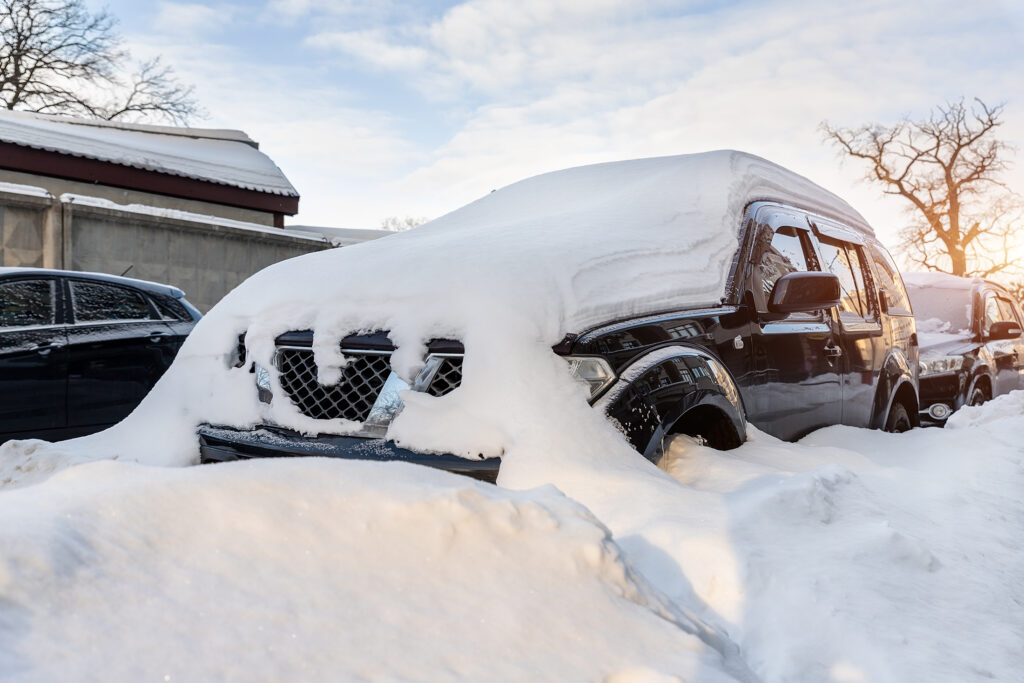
(189, 18)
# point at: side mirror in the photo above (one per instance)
(1004, 329)
(803, 292)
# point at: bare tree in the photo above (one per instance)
(396, 224)
(56, 57)
(948, 167)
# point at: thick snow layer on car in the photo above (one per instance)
(851, 556)
(939, 280)
(509, 275)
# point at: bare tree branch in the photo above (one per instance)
(948, 168)
(55, 55)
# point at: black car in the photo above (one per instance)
(78, 351)
(972, 348)
(813, 329)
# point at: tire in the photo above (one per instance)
(978, 396)
(899, 419)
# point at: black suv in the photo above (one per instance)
(78, 351)
(972, 348)
(813, 329)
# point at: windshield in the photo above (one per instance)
(941, 309)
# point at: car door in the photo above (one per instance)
(859, 322)
(1005, 353)
(117, 349)
(797, 361)
(1012, 312)
(33, 358)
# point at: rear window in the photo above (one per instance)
(26, 303)
(95, 301)
(942, 309)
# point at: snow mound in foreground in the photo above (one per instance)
(322, 570)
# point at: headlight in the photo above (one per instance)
(940, 364)
(263, 388)
(593, 371)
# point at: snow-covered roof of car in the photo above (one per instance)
(687, 191)
(940, 280)
(225, 157)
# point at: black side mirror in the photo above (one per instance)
(1004, 329)
(803, 292)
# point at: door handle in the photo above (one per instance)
(157, 335)
(44, 349)
(833, 351)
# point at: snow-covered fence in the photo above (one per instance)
(204, 255)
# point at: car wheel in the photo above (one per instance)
(978, 396)
(899, 419)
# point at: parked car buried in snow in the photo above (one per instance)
(690, 294)
(78, 351)
(972, 342)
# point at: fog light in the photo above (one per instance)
(263, 386)
(939, 411)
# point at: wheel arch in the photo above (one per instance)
(676, 389)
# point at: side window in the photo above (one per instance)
(27, 303)
(1007, 311)
(785, 251)
(890, 284)
(992, 314)
(843, 261)
(95, 301)
(170, 309)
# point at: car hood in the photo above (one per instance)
(935, 344)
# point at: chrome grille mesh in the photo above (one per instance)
(448, 377)
(351, 398)
(360, 384)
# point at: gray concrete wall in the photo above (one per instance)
(204, 258)
(22, 222)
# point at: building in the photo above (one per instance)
(199, 209)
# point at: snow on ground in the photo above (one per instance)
(851, 556)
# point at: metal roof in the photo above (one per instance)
(223, 157)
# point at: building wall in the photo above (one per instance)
(57, 187)
(205, 259)
(22, 222)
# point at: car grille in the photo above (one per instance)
(361, 382)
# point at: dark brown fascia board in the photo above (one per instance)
(54, 164)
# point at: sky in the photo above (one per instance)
(377, 108)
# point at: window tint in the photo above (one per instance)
(786, 252)
(890, 284)
(95, 301)
(171, 309)
(26, 302)
(843, 262)
(1007, 311)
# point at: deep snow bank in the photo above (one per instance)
(312, 570)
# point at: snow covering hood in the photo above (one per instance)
(225, 157)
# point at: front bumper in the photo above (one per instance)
(222, 444)
(944, 389)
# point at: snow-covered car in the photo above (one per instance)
(79, 351)
(684, 295)
(972, 342)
